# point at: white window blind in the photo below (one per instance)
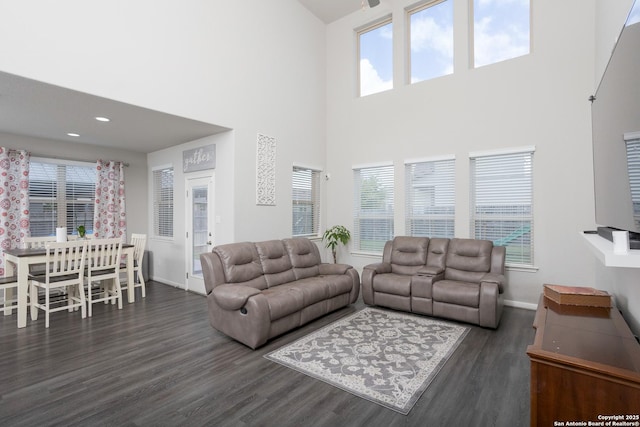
(163, 202)
(305, 194)
(633, 168)
(60, 195)
(430, 198)
(373, 208)
(502, 203)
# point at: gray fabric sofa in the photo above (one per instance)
(459, 279)
(257, 291)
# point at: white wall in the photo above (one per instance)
(537, 100)
(135, 174)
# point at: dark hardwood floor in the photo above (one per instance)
(158, 362)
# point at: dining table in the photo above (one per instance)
(18, 262)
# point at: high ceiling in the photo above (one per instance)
(37, 109)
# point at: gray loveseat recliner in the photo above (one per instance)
(256, 291)
(460, 279)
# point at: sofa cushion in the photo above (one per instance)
(283, 300)
(457, 293)
(275, 262)
(408, 254)
(397, 284)
(334, 284)
(468, 259)
(313, 290)
(304, 256)
(241, 264)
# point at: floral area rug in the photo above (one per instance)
(386, 357)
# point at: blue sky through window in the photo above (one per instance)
(432, 42)
(501, 30)
(376, 60)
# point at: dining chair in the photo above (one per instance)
(139, 242)
(37, 242)
(103, 266)
(9, 285)
(64, 268)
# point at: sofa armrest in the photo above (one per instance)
(326, 268)
(233, 297)
(498, 279)
(430, 271)
(379, 267)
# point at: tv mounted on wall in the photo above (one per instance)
(615, 115)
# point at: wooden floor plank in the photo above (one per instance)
(158, 362)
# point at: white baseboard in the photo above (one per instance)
(518, 304)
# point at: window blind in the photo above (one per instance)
(373, 208)
(633, 168)
(305, 194)
(60, 195)
(163, 202)
(430, 198)
(502, 203)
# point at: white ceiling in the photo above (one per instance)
(36, 109)
(330, 10)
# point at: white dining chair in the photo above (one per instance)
(139, 242)
(9, 287)
(103, 272)
(37, 242)
(64, 268)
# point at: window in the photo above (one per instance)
(61, 194)
(502, 202)
(163, 202)
(431, 40)
(305, 195)
(501, 30)
(375, 51)
(373, 207)
(430, 198)
(633, 168)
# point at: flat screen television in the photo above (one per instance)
(615, 115)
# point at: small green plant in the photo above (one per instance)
(334, 236)
(81, 231)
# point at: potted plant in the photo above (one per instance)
(81, 231)
(335, 235)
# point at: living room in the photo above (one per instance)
(273, 68)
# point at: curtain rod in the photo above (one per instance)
(44, 157)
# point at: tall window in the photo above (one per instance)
(305, 194)
(633, 168)
(431, 40)
(375, 51)
(61, 194)
(502, 202)
(430, 198)
(373, 207)
(163, 202)
(501, 30)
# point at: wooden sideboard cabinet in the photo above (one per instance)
(585, 365)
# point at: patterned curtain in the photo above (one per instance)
(14, 199)
(109, 215)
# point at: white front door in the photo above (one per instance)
(199, 227)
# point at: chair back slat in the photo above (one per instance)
(65, 258)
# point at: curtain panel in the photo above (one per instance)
(14, 199)
(109, 215)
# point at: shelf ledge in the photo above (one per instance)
(603, 249)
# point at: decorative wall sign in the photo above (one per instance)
(266, 171)
(198, 159)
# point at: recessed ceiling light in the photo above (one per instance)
(73, 134)
(103, 119)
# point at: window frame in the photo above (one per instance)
(443, 183)
(500, 161)
(388, 175)
(60, 200)
(415, 9)
(163, 203)
(314, 201)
